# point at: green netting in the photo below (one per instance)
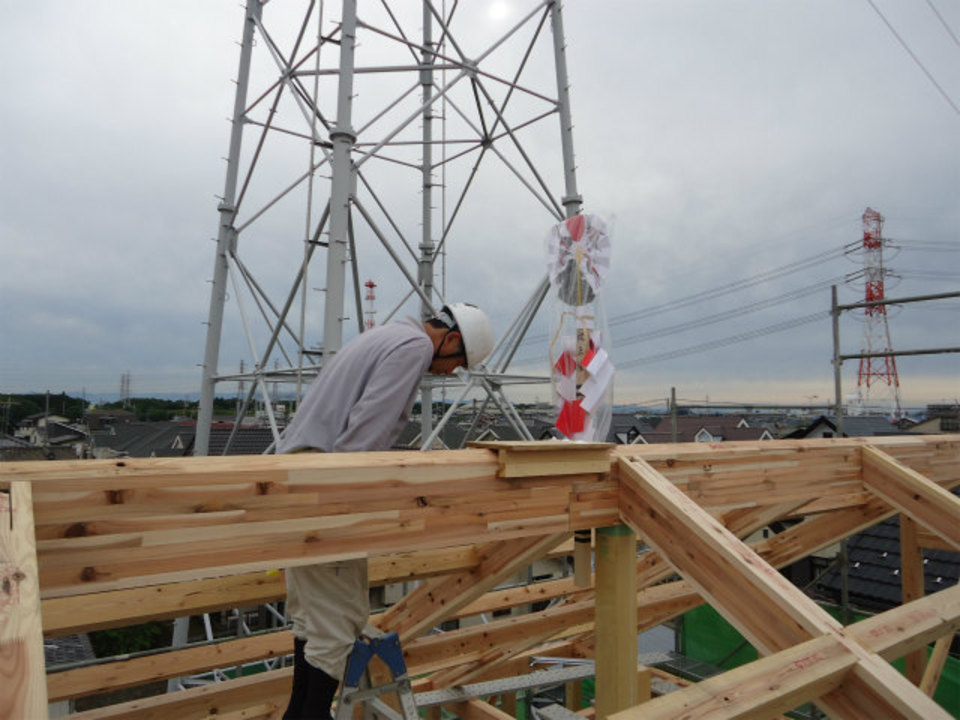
(710, 639)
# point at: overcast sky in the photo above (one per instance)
(722, 140)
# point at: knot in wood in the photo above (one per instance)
(78, 529)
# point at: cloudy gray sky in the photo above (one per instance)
(725, 142)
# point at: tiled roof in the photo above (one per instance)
(874, 568)
(854, 426)
(9, 441)
(67, 650)
(247, 441)
(146, 439)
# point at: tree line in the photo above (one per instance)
(17, 406)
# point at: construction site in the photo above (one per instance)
(518, 579)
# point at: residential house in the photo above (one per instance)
(854, 426)
(704, 428)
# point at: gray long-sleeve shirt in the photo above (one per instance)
(364, 394)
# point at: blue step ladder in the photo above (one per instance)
(385, 646)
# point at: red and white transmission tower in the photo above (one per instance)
(880, 370)
(370, 310)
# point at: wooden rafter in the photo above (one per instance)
(439, 598)
(766, 608)
(911, 493)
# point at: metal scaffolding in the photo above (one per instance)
(341, 117)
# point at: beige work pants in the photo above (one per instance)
(329, 605)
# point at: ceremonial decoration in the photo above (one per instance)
(582, 372)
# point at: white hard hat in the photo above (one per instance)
(476, 332)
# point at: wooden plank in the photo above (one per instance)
(896, 632)
(913, 494)
(23, 691)
(232, 696)
(548, 457)
(439, 598)
(119, 608)
(758, 690)
(616, 619)
(94, 679)
(365, 468)
(176, 555)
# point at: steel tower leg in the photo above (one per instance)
(572, 202)
(343, 183)
(571, 199)
(425, 269)
(226, 237)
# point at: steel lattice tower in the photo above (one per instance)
(877, 369)
(366, 128)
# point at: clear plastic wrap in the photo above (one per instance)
(582, 371)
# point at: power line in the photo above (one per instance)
(724, 342)
(735, 286)
(721, 290)
(915, 58)
(928, 245)
(728, 314)
(943, 22)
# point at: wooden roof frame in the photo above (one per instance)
(93, 544)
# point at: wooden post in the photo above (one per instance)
(911, 584)
(573, 695)
(616, 620)
(23, 692)
(644, 683)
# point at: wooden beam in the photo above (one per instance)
(758, 690)
(119, 608)
(929, 540)
(898, 631)
(938, 658)
(93, 679)
(23, 690)
(913, 494)
(616, 620)
(439, 598)
(202, 703)
(426, 504)
(766, 608)
(538, 458)
(911, 588)
(891, 634)
(753, 596)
